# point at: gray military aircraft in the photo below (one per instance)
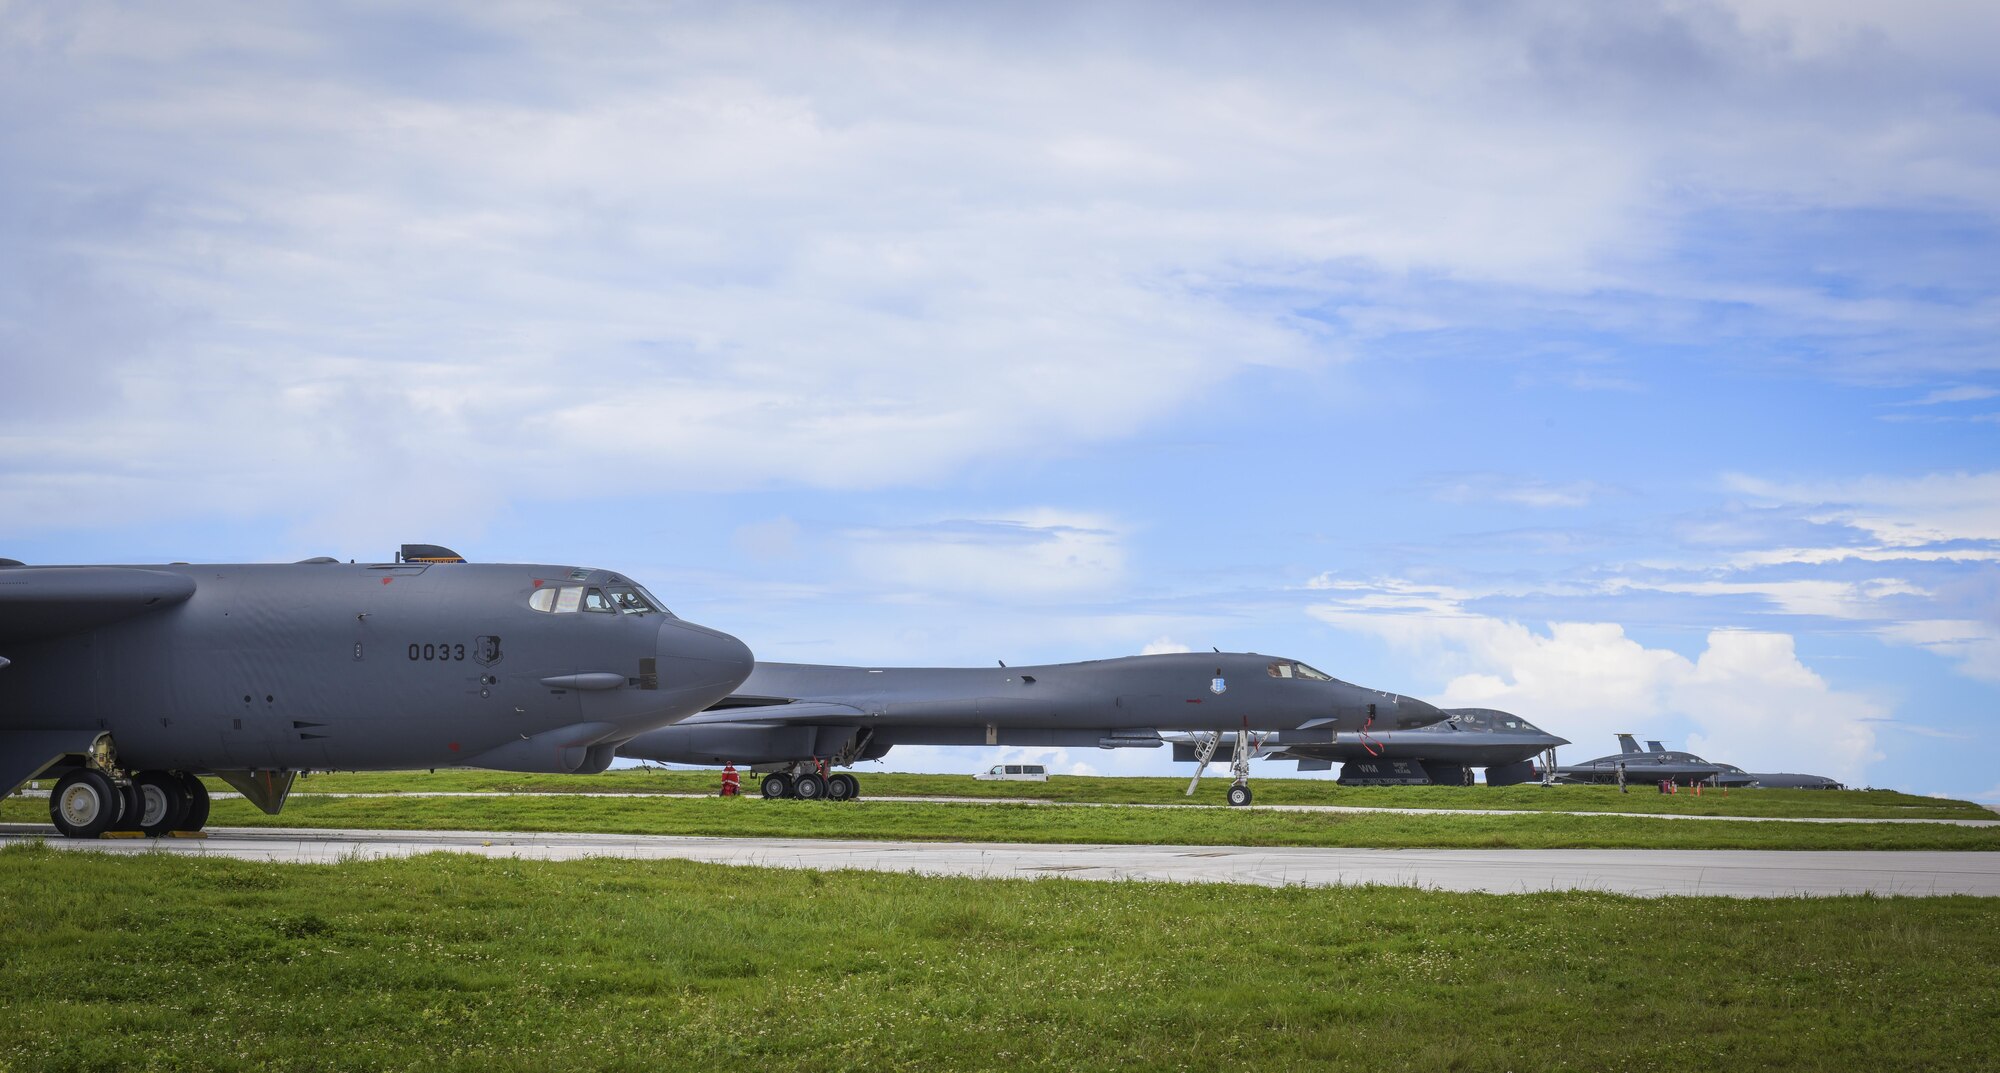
(1777, 780)
(129, 681)
(794, 720)
(1443, 753)
(1655, 764)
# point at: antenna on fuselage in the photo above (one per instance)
(1001, 662)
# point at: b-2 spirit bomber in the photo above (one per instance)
(1654, 764)
(1659, 761)
(1442, 753)
(795, 721)
(128, 682)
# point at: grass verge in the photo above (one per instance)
(1843, 804)
(455, 963)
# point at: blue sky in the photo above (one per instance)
(1629, 367)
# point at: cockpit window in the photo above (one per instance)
(632, 600)
(1314, 674)
(624, 598)
(1280, 670)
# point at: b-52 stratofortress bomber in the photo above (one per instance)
(795, 720)
(127, 682)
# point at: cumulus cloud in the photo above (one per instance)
(1751, 700)
(1160, 646)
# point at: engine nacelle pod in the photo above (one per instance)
(570, 750)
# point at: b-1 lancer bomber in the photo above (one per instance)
(128, 682)
(794, 721)
(1443, 753)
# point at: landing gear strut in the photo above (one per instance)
(1239, 765)
(1239, 770)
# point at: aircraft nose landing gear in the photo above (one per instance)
(1239, 764)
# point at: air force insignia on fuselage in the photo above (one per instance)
(486, 651)
(1217, 686)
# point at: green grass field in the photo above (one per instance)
(163, 962)
(1004, 822)
(1853, 804)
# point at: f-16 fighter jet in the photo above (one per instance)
(795, 720)
(127, 682)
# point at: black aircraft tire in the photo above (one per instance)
(84, 804)
(776, 785)
(809, 786)
(163, 802)
(195, 817)
(1239, 795)
(132, 806)
(840, 786)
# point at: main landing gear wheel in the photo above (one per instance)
(840, 786)
(1239, 794)
(163, 802)
(85, 804)
(132, 804)
(776, 785)
(809, 786)
(195, 816)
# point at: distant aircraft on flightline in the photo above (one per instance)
(796, 720)
(127, 682)
(1443, 753)
(1657, 763)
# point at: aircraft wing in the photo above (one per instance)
(779, 714)
(38, 602)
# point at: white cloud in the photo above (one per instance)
(1898, 512)
(1163, 645)
(1961, 393)
(1754, 703)
(1974, 645)
(1499, 488)
(1834, 599)
(1041, 554)
(734, 246)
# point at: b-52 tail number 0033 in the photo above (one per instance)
(794, 720)
(127, 682)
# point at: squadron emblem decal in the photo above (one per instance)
(1217, 686)
(486, 650)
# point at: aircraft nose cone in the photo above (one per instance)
(697, 660)
(1412, 713)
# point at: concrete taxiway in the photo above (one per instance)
(1645, 873)
(1050, 802)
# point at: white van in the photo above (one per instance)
(1016, 773)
